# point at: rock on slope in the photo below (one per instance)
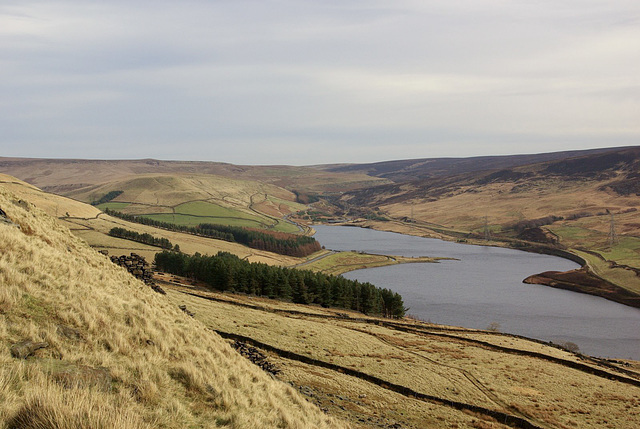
(84, 344)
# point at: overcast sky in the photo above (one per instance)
(324, 81)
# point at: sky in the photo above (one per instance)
(305, 82)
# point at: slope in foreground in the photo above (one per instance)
(105, 351)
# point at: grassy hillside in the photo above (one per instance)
(566, 204)
(194, 199)
(53, 205)
(379, 373)
(108, 352)
(88, 223)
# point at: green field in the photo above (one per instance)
(203, 208)
(342, 262)
(283, 226)
(569, 235)
(338, 263)
(626, 251)
(197, 212)
(293, 206)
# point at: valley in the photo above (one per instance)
(334, 367)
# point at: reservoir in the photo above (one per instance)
(484, 287)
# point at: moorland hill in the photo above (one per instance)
(87, 345)
(587, 205)
(581, 202)
(412, 170)
(84, 344)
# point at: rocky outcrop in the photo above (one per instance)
(138, 267)
(24, 349)
(4, 219)
(255, 356)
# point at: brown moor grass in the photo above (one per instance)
(163, 368)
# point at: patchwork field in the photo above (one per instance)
(90, 224)
(190, 200)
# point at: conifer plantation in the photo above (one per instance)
(227, 272)
(141, 238)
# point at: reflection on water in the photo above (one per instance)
(485, 287)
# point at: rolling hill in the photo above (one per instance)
(584, 202)
(84, 344)
(411, 170)
(64, 175)
(87, 345)
(90, 224)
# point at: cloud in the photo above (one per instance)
(305, 82)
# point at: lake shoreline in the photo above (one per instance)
(485, 287)
(587, 283)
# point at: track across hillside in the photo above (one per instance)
(468, 362)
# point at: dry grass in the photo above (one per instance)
(53, 205)
(164, 368)
(368, 405)
(548, 393)
(502, 206)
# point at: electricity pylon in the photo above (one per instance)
(487, 231)
(613, 237)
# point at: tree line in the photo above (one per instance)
(271, 241)
(141, 238)
(227, 272)
(535, 223)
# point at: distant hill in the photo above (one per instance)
(427, 168)
(587, 204)
(617, 169)
(63, 176)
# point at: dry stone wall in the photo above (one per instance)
(138, 267)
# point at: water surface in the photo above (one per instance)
(485, 287)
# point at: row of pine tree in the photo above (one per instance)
(142, 238)
(227, 272)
